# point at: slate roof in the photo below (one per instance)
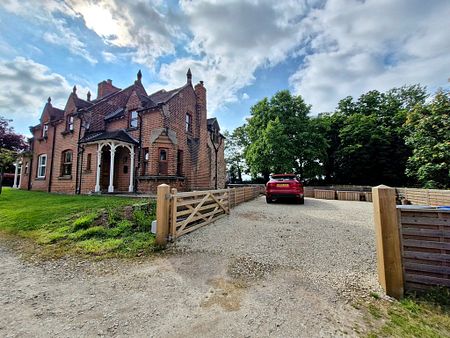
(117, 135)
(80, 103)
(115, 114)
(56, 114)
(162, 96)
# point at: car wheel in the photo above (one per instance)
(269, 200)
(301, 200)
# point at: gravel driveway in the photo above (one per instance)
(279, 270)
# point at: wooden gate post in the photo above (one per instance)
(162, 214)
(389, 260)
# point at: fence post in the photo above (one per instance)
(162, 214)
(173, 218)
(389, 260)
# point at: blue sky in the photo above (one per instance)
(242, 50)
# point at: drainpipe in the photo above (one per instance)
(53, 157)
(79, 170)
(30, 167)
(136, 181)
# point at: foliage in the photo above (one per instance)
(64, 224)
(10, 144)
(84, 221)
(281, 138)
(234, 154)
(430, 140)
(366, 137)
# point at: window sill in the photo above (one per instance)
(39, 179)
(65, 132)
(65, 178)
(87, 171)
(132, 128)
(42, 138)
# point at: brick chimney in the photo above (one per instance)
(105, 88)
(200, 93)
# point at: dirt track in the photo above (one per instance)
(282, 270)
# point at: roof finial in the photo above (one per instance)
(139, 75)
(49, 100)
(74, 90)
(189, 76)
(89, 95)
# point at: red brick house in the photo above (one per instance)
(126, 141)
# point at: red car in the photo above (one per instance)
(282, 186)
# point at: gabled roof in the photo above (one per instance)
(212, 123)
(116, 135)
(56, 114)
(80, 103)
(162, 96)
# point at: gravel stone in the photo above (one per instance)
(278, 270)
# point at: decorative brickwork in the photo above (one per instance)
(157, 128)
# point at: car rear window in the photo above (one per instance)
(283, 178)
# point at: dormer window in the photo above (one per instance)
(45, 130)
(133, 119)
(69, 126)
(188, 123)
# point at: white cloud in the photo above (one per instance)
(365, 45)
(63, 36)
(25, 87)
(58, 32)
(109, 57)
(132, 24)
(231, 39)
(245, 96)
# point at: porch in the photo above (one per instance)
(115, 168)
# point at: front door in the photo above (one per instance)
(104, 170)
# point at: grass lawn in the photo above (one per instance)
(424, 315)
(91, 225)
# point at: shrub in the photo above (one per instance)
(84, 222)
(98, 232)
(124, 228)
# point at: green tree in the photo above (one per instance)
(234, 153)
(281, 138)
(10, 144)
(366, 137)
(430, 139)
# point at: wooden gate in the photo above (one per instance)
(192, 210)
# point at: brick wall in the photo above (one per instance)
(162, 128)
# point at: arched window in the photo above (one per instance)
(66, 167)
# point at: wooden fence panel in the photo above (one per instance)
(433, 197)
(349, 195)
(324, 194)
(425, 238)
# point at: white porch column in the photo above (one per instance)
(99, 159)
(111, 168)
(131, 187)
(20, 177)
(16, 172)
